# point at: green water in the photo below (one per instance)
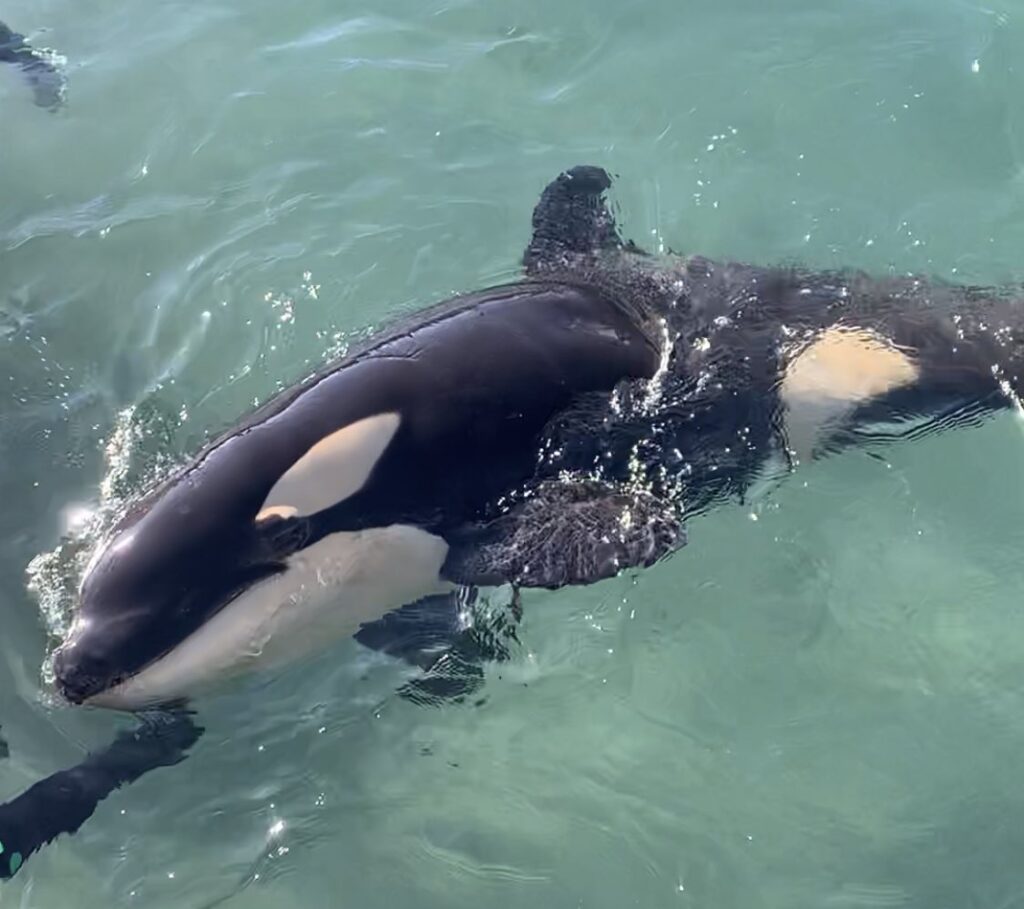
(823, 707)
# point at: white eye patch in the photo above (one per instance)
(333, 469)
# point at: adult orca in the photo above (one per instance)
(553, 431)
(38, 67)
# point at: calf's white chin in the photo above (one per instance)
(326, 593)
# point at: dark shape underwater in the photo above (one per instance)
(38, 67)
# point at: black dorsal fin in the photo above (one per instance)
(572, 217)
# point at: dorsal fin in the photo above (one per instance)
(572, 217)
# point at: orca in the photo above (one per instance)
(38, 66)
(351, 495)
(554, 431)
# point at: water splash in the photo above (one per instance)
(137, 455)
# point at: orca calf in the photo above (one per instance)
(554, 431)
(369, 486)
(46, 79)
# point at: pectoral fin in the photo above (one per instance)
(449, 638)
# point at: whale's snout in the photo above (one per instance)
(80, 675)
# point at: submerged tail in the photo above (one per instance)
(62, 802)
(38, 66)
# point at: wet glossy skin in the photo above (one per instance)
(474, 383)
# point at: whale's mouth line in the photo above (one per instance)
(84, 700)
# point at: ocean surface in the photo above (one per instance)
(819, 702)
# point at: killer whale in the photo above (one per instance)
(38, 68)
(642, 391)
(357, 484)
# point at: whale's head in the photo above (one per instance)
(151, 588)
(254, 542)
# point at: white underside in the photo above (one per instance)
(327, 592)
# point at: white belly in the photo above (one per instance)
(327, 592)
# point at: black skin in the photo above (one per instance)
(46, 81)
(732, 328)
